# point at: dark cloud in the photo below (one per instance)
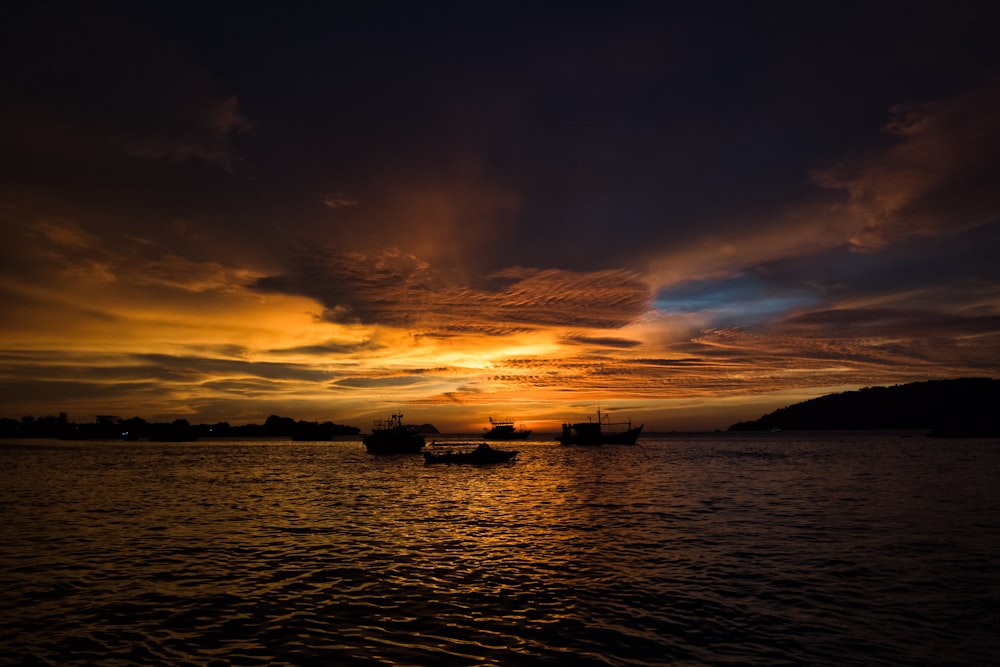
(397, 289)
(331, 348)
(890, 322)
(375, 382)
(939, 177)
(54, 395)
(59, 250)
(596, 341)
(469, 329)
(670, 362)
(194, 369)
(92, 79)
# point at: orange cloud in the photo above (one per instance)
(398, 289)
(939, 178)
(52, 247)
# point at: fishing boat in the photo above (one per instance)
(392, 436)
(503, 429)
(600, 432)
(482, 454)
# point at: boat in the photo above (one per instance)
(503, 429)
(392, 436)
(600, 432)
(482, 454)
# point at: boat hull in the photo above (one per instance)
(592, 433)
(394, 444)
(496, 436)
(482, 455)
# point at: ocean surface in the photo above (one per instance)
(749, 549)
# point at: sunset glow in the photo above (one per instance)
(543, 236)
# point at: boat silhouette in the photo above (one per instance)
(392, 436)
(600, 432)
(503, 429)
(482, 454)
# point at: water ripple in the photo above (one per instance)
(704, 551)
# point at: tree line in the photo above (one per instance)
(106, 427)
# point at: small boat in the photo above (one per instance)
(393, 437)
(601, 432)
(503, 429)
(483, 454)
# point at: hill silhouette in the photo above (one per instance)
(962, 407)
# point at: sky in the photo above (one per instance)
(687, 214)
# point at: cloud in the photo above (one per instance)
(694, 361)
(928, 203)
(939, 177)
(338, 200)
(375, 382)
(198, 129)
(887, 322)
(457, 216)
(330, 348)
(191, 368)
(50, 248)
(903, 336)
(600, 341)
(90, 81)
(394, 288)
(84, 381)
(66, 234)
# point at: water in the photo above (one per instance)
(725, 550)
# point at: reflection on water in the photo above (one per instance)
(717, 550)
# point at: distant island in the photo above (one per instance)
(966, 407)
